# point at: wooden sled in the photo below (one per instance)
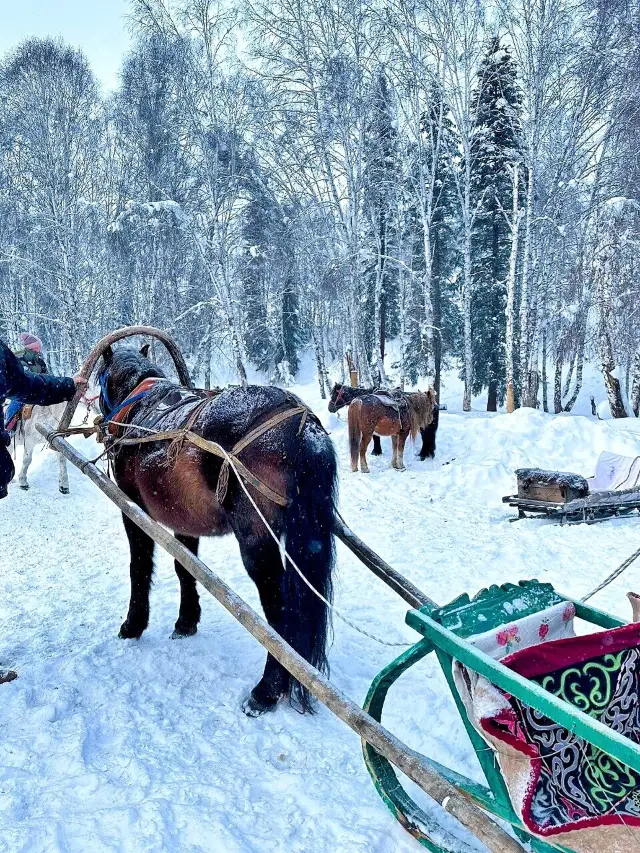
(566, 498)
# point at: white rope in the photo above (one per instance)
(332, 607)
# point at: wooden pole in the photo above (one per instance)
(406, 759)
(398, 583)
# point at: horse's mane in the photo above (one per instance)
(127, 367)
(421, 407)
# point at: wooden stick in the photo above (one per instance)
(406, 759)
(127, 332)
(398, 583)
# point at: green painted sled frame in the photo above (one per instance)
(445, 631)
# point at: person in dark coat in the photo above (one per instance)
(30, 357)
(38, 389)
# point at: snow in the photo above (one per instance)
(109, 745)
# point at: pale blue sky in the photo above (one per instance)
(97, 27)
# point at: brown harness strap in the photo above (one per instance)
(178, 437)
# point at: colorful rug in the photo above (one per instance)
(564, 789)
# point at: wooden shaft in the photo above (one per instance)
(406, 759)
(398, 583)
(127, 332)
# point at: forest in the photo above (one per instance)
(461, 177)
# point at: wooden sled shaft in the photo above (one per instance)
(403, 757)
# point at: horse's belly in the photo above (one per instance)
(181, 499)
(387, 426)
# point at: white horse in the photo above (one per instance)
(30, 438)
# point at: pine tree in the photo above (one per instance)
(445, 319)
(496, 147)
(381, 180)
(256, 241)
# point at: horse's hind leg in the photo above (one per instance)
(263, 562)
(140, 570)
(364, 444)
(189, 614)
(377, 446)
(63, 477)
(394, 448)
(402, 440)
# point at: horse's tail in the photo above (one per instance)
(309, 541)
(355, 433)
(428, 450)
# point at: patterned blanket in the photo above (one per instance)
(564, 789)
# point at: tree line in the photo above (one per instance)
(461, 176)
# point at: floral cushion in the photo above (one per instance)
(554, 623)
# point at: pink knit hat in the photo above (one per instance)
(30, 342)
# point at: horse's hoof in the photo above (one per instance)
(64, 490)
(24, 487)
(126, 632)
(181, 633)
(253, 708)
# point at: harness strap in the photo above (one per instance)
(116, 415)
(216, 449)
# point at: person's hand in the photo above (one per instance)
(81, 383)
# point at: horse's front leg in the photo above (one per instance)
(140, 570)
(189, 615)
(26, 461)
(377, 446)
(63, 477)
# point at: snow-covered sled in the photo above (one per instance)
(613, 490)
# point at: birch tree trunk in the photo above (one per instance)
(579, 366)
(557, 381)
(605, 345)
(635, 385)
(524, 289)
(466, 310)
(514, 224)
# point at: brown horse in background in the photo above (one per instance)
(403, 416)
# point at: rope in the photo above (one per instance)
(605, 583)
(292, 562)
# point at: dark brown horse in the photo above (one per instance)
(294, 458)
(400, 417)
(344, 395)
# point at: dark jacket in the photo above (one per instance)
(39, 389)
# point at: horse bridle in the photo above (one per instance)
(340, 397)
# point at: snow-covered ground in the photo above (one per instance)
(108, 745)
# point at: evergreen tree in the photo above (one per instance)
(257, 241)
(444, 254)
(380, 204)
(496, 146)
